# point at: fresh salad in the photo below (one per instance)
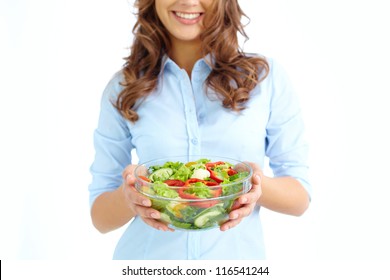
(189, 193)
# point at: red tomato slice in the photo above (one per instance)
(231, 172)
(185, 195)
(144, 178)
(210, 183)
(214, 176)
(178, 183)
(192, 181)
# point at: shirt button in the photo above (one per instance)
(194, 141)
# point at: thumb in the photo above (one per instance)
(257, 179)
(130, 179)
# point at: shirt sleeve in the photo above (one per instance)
(286, 146)
(112, 142)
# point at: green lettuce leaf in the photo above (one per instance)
(164, 190)
(182, 173)
(199, 189)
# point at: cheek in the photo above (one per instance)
(159, 10)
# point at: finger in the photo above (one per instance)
(129, 170)
(135, 197)
(157, 224)
(130, 180)
(242, 212)
(256, 179)
(252, 196)
(230, 224)
(147, 212)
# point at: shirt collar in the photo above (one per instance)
(205, 62)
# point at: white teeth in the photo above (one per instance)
(187, 16)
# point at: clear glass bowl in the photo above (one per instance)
(184, 210)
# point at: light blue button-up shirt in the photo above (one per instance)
(179, 118)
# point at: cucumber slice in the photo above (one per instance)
(220, 219)
(207, 217)
(161, 174)
(170, 218)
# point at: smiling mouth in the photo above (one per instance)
(188, 15)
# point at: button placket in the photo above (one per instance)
(199, 76)
(190, 114)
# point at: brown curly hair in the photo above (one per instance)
(233, 73)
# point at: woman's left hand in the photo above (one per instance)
(245, 204)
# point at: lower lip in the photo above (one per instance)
(186, 20)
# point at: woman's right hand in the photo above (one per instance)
(139, 204)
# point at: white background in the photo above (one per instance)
(57, 56)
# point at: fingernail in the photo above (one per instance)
(234, 216)
(145, 202)
(154, 215)
(160, 228)
(244, 200)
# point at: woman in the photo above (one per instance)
(187, 88)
